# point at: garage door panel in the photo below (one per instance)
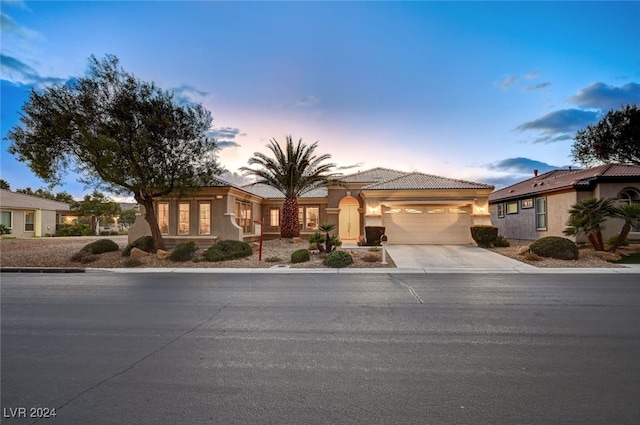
(445, 226)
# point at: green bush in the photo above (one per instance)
(105, 233)
(300, 256)
(84, 257)
(501, 242)
(484, 235)
(4, 230)
(100, 246)
(131, 262)
(274, 259)
(373, 234)
(612, 239)
(183, 251)
(555, 247)
(228, 250)
(144, 243)
(114, 233)
(371, 257)
(338, 259)
(78, 229)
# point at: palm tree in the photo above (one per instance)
(586, 217)
(630, 213)
(293, 171)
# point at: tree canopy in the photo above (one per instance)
(43, 193)
(616, 138)
(293, 171)
(98, 207)
(120, 134)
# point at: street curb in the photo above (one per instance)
(41, 270)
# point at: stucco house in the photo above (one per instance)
(538, 206)
(30, 216)
(415, 208)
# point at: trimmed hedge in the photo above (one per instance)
(338, 259)
(555, 247)
(484, 235)
(227, 250)
(144, 243)
(183, 251)
(300, 256)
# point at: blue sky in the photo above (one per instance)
(478, 91)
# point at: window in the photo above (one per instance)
(274, 217)
(457, 211)
(501, 210)
(526, 203)
(512, 208)
(412, 211)
(6, 218)
(393, 211)
(541, 213)
(183, 218)
(243, 216)
(436, 210)
(29, 220)
(629, 196)
(309, 218)
(163, 217)
(204, 218)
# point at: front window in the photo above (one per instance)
(541, 214)
(29, 221)
(183, 219)
(526, 203)
(6, 218)
(204, 218)
(163, 217)
(501, 210)
(274, 217)
(309, 218)
(512, 208)
(629, 196)
(243, 216)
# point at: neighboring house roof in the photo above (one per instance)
(375, 175)
(265, 191)
(557, 180)
(420, 181)
(16, 200)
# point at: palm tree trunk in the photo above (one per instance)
(599, 241)
(621, 237)
(290, 227)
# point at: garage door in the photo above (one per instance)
(433, 224)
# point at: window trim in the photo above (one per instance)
(10, 226)
(512, 203)
(501, 210)
(188, 219)
(277, 217)
(246, 222)
(166, 232)
(538, 201)
(33, 223)
(529, 201)
(200, 220)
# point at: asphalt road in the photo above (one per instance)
(104, 348)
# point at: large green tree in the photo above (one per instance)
(44, 193)
(97, 207)
(616, 138)
(293, 171)
(120, 134)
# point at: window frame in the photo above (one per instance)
(274, 220)
(303, 217)
(205, 220)
(244, 216)
(163, 220)
(33, 221)
(182, 220)
(512, 204)
(501, 210)
(543, 214)
(529, 203)
(10, 226)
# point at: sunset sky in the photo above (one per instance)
(477, 91)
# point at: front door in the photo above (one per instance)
(349, 220)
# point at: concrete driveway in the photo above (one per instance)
(446, 258)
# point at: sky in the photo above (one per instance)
(479, 91)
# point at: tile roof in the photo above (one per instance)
(9, 199)
(566, 179)
(420, 181)
(374, 175)
(265, 191)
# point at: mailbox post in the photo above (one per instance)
(383, 242)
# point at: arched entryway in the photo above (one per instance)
(349, 219)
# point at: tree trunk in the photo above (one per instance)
(290, 226)
(599, 241)
(621, 237)
(592, 240)
(150, 216)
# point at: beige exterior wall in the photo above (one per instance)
(44, 223)
(558, 206)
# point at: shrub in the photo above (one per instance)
(613, 238)
(144, 243)
(555, 247)
(83, 257)
(374, 249)
(501, 242)
(300, 256)
(373, 234)
(338, 259)
(228, 250)
(4, 230)
(183, 251)
(105, 233)
(114, 233)
(484, 235)
(131, 262)
(100, 246)
(274, 259)
(78, 229)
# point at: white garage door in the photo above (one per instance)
(433, 224)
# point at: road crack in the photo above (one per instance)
(407, 287)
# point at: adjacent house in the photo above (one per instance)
(538, 206)
(415, 208)
(30, 216)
